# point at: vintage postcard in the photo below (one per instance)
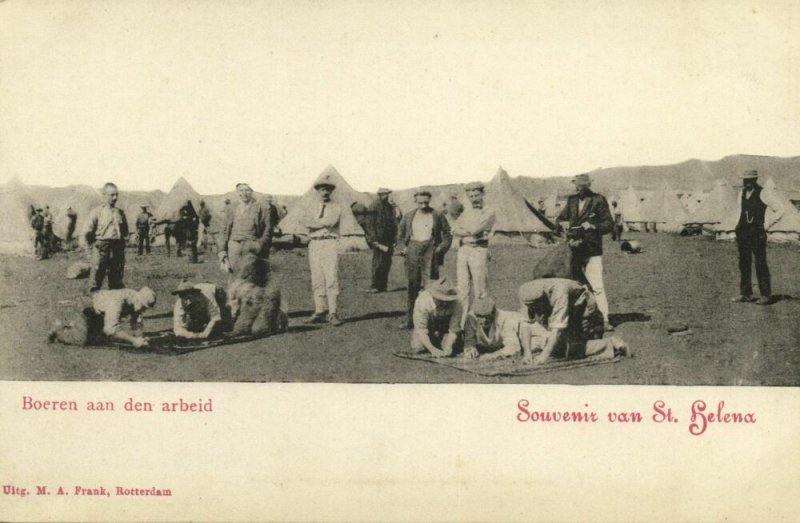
(399, 261)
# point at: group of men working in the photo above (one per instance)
(185, 230)
(558, 316)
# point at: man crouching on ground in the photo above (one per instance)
(437, 320)
(490, 333)
(200, 311)
(563, 321)
(102, 322)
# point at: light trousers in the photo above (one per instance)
(471, 267)
(593, 271)
(323, 257)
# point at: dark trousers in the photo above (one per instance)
(192, 240)
(753, 244)
(381, 264)
(109, 258)
(40, 246)
(419, 265)
(144, 241)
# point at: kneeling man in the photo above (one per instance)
(437, 319)
(490, 333)
(102, 321)
(199, 311)
(563, 321)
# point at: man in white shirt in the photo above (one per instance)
(473, 229)
(751, 238)
(322, 222)
(106, 232)
(423, 236)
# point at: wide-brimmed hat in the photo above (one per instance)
(184, 287)
(750, 175)
(147, 297)
(384, 190)
(474, 186)
(324, 180)
(442, 290)
(484, 306)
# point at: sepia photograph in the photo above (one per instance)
(399, 193)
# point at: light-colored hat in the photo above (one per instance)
(442, 290)
(474, 186)
(185, 286)
(423, 192)
(384, 190)
(484, 306)
(243, 185)
(147, 297)
(750, 175)
(582, 178)
(324, 179)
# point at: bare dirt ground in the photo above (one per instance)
(674, 281)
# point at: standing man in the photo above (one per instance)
(424, 235)
(106, 231)
(190, 223)
(143, 230)
(247, 229)
(204, 215)
(322, 222)
(39, 242)
(72, 219)
(588, 214)
(473, 229)
(751, 238)
(381, 231)
(49, 237)
(616, 211)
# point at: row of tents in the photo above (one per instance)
(518, 219)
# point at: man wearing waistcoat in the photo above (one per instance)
(423, 236)
(751, 239)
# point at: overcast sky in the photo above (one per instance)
(397, 94)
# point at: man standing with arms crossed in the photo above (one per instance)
(424, 235)
(473, 229)
(106, 232)
(381, 230)
(247, 230)
(322, 223)
(588, 211)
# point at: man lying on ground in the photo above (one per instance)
(437, 319)
(200, 311)
(102, 321)
(490, 333)
(563, 322)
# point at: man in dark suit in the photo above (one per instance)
(381, 230)
(751, 238)
(589, 219)
(424, 235)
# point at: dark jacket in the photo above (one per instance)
(381, 226)
(441, 235)
(596, 212)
